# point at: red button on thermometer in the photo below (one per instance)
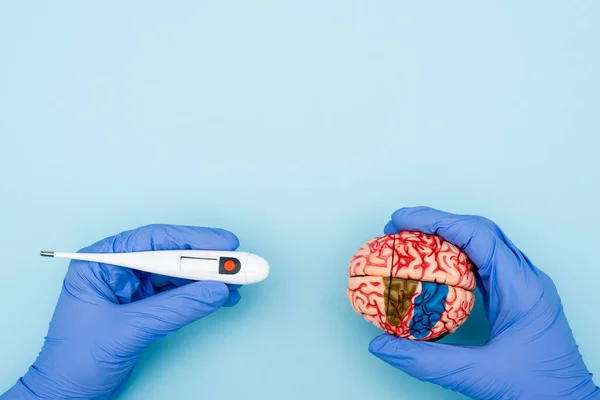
(232, 267)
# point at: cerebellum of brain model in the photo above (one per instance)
(412, 285)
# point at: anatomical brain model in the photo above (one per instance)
(412, 285)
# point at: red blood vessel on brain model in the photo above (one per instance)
(412, 285)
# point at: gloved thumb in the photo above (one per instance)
(443, 364)
(157, 316)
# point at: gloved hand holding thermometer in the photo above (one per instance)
(531, 354)
(107, 315)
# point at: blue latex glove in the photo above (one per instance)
(106, 316)
(531, 353)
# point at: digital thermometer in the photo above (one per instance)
(232, 267)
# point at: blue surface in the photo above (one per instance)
(429, 306)
(300, 126)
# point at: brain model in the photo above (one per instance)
(412, 285)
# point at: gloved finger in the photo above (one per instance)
(167, 312)
(165, 287)
(442, 364)
(166, 237)
(506, 274)
(234, 298)
(122, 285)
(159, 281)
(390, 228)
(478, 237)
(93, 282)
(234, 295)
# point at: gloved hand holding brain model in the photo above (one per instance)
(412, 285)
(531, 353)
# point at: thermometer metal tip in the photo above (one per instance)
(47, 253)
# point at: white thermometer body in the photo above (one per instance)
(231, 267)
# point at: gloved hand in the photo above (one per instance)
(107, 315)
(531, 353)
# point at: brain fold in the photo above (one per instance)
(413, 255)
(412, 285)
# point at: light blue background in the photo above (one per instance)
(300, 126)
